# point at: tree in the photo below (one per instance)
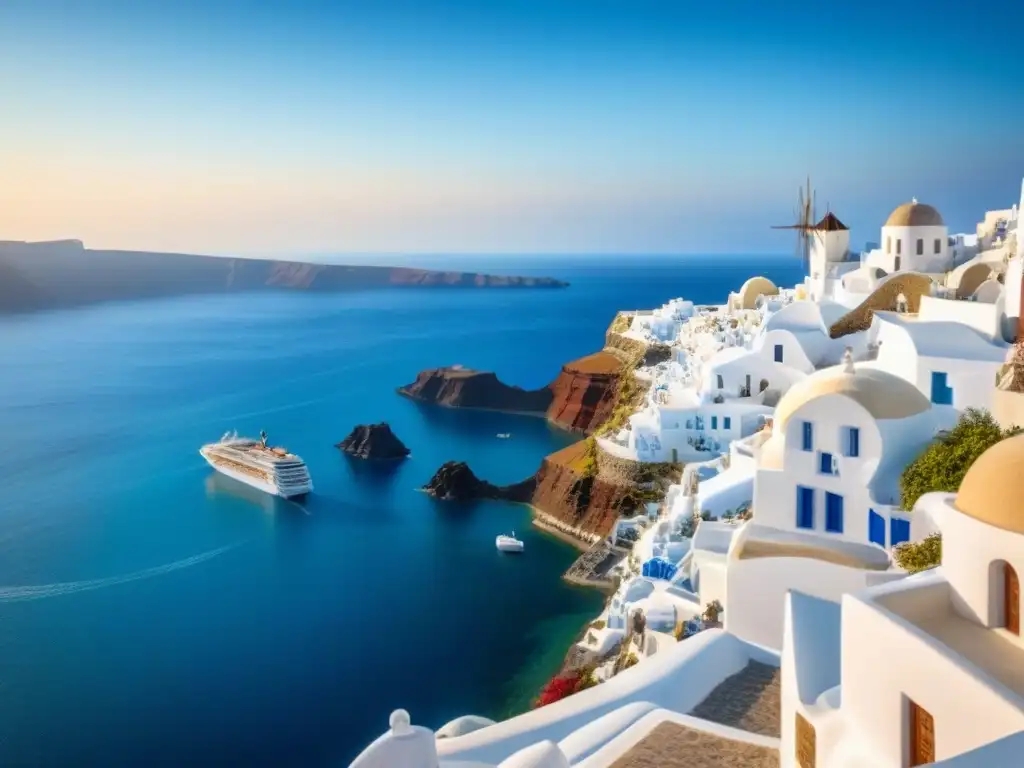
(944, 463)
(919, 556)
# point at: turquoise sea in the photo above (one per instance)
(152, 613)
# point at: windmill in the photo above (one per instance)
(804, 226)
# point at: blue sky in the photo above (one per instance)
(512, 127)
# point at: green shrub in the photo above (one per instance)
(944, 463)
(631, 661)
(599, 624)
(919, 556)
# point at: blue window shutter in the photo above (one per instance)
(899, 531)
(808, 436)
(727, 422)
(876, 528)
(825, 463)
(854, 447)
(778, 353)
(833, 513)
(714, 422)
(804, 507)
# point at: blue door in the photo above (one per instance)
(876, 528)
(833, 513)
(804, 507)
(778, 353)
(899, 531)
(941, 392)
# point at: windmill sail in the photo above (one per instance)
(804, 225)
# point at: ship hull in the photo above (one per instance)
(296, 494)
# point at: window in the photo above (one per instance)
(833, 513)
(689, 423)
(727, 422)
(888, 245)
(899, 246)
(852, 442)
(896, 264)
(827, 464)
(778, 353)
(808, 443)
(876, 528)
(804, 507)
(938, 245)
(714, 422)
(721, 382)
(942, 394)
(899, 531)
(920, 246)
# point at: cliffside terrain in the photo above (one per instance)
(455, 481)
(457, 387)
(580, 490)
(582, 396)
(65, 273)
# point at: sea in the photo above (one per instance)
(155, 613)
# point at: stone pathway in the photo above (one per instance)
(749, 700)
(670, 745)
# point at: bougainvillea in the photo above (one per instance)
(560, 686)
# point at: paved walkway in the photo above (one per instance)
(749, 700)
(670, 745)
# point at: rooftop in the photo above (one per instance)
(949, 339)
(763, 541)
(670, 745)
(749, 700)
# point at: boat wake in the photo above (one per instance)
(17, 594)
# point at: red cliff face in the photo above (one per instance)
(584, 392)
(588, 504)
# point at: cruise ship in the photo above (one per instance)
(253, 462)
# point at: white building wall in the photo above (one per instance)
(982, 317)
(708, 576)
(972, 555)
(972, 381)
(909, 259)
(775, 492)
(793, 354)
(756, 589)
(887, 661)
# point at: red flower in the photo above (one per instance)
(558, 688)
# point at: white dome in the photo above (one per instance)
(543, 754)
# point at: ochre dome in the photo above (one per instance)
(990, 491)
(754, 287)
(915, 214)
(883, 395)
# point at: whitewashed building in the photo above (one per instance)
(950, 362)
(826, 494)
(929, 668)
(914, 239)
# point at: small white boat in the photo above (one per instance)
(504, 435)
(509, 543)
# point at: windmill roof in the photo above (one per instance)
(830, 223)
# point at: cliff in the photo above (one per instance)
(455, 481)
(457, 387)
(65, 273)
(585, 392)
(581, 397)
(373, 441)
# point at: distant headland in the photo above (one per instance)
(64, 273)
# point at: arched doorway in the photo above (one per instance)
(1011, 599)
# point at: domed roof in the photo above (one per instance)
(991, 490)
(884, 395)
(915, 214)
(754, 287)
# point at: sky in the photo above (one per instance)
(504, 126)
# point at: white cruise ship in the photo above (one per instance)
(253, 462)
